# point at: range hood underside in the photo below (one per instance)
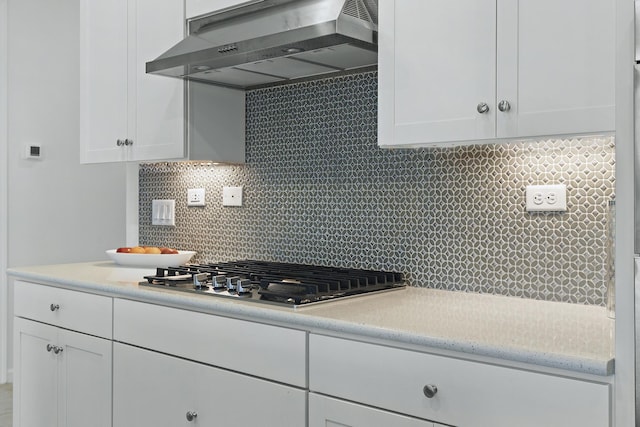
(319, 56)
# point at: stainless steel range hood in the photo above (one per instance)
(274, 41)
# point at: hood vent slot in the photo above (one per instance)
(360, 10)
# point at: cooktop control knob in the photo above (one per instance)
(232, 283)
(219, 282)
(200, 280)
(243, 286)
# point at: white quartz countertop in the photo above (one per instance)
(547, 334)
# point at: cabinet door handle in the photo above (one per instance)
(430, 390)
(57, 349)
(191, 415)
(504, 106)
(50, 347)
(54, 307)
(120, 142)
(128, 142)
(483, 108)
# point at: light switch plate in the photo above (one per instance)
(163, 212)
(231, 196)
(546, 198)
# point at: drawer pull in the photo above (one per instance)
(49, 348)
(430, 390)
(54, 307)
(191, 415)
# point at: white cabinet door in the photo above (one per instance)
(118, 100)
(104, 117)
(156, 390)
(159, 101)
(328, 412)
(436, 64)
(556, 66)
(539, 68)
(203, 7)
(84, 389)
(62, 378)
(35, 375)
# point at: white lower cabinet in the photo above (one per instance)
(61, 378)
(156, 390)
(329, 412)
(452, 391)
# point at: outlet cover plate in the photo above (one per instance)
(546, 198)
(231, 196)
(195, 197)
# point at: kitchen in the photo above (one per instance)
(103, 221)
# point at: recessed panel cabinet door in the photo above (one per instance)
(35, 375)
(62, 378)
(85, 380)
(103, 80)
(126, 114)
(436, 71)
(157, 101)
(556, 66)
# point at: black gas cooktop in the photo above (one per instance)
(272, 282)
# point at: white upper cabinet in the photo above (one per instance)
(469, 71)
(202, 7)
(126, 114)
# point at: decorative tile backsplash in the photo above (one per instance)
(318, 190)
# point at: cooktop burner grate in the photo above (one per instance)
(278, 283)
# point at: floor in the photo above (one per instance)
(6, 399)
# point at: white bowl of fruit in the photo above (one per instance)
(149, 256)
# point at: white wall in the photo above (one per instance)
(58, 210)
(3, 188)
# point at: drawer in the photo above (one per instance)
(329, 412)
(468, 393)
(265, 351)
(155, 390)
(78, 311)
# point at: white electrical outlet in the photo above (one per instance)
(546, 198)
(163, 212)
(195, 197)
(231, 196)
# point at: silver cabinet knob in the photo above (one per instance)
(191, 415)
(54, 307)
(504, 106)
(56, 349)
(120, 142)
(128, 142)
(482, 108)
(430, 390)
